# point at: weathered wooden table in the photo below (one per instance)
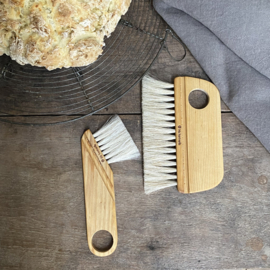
(42, 215)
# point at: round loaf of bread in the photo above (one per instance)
(57, 33)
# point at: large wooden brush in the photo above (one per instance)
(112, 143)
(182, 145)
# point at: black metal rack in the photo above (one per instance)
(65, 95)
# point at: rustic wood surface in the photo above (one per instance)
(42, 212)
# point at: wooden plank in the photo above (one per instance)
(42, 215)
(130, 103)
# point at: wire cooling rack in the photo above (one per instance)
(44, 97)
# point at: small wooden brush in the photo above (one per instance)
(182, 145)
(112, 143)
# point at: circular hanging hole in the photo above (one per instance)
(102, 241)
(198, 99)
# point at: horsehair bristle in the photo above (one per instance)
(159, 151)
(115, 141)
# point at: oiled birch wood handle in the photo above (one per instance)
(99, 194)
(199, 153)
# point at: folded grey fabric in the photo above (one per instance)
(231, 41)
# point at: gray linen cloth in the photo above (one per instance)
(231, 41)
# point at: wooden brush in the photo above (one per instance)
(112, 143)
(182, 145)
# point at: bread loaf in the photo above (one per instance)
(57, 33)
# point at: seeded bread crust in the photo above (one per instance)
(57, 33)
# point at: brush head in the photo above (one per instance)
(158, 135)
(115, 141)
(182, 144)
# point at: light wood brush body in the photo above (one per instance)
(112, 143)
(182, 145)
(99, 193)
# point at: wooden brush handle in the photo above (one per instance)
(181, 135)
(198, 137)
(99, 193)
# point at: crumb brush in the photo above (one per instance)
(182, 145)
(112, 143)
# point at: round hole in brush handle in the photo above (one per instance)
(198, 99)
(102, 241)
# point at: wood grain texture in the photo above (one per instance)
(99, 194)
(198, 137)
(42, 214)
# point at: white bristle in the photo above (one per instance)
(166, 170)
(161, 150)
(158, 116)
(159, 123)
(162, 111)
(158, 135)
(160, 131)
(161, 144)
(160, 98)
(164, 105)
(158, 185)
(115, 141)
(150, 82)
